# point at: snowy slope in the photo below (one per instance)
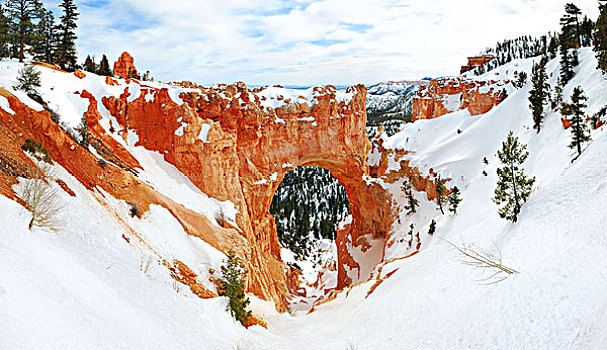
(82, 287)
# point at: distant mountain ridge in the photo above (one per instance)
(392, 100)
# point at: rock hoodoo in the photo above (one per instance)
(124, 67)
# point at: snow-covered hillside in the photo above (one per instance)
(83, 288)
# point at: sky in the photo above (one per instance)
(307, 42)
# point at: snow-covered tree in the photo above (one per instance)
(538, 94)
(580, 132)
(513, 185)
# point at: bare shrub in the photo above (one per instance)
(177, 286)
(42, 199)
(490, 263)
(145, 264)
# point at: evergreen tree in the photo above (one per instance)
(570, 39)
(513, 186)
(412, 203)
(600, 39)
(570, 26)
(147, 76)
(567, 66)
(66, 49)
(441, 194)
(586, 32)
(28, 79)
(104, 67)
(46, 41)
(232, 285)
(538, 94)
(4, 33)
(21, 14)
(83, 130)
(454, 200)
(432, 229)
(580, 132)
(89, 65)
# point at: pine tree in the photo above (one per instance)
(570, 39)
(21, 14)
(441, 193)
(538, 94)
(104, 67)
(232, 285)
(89, 65)
(412, 203)
(66, 49)
(454, 200)
(580, 132)
(28, 79)
(600, 39)
(432, 229)
(513, 186)
(46, 41)
(147, 76)
(83, 130)
(4, 33)
(570, 26)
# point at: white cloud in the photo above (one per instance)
(308, 42)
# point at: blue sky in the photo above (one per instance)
(306, 42)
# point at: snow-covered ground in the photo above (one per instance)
(83, 288)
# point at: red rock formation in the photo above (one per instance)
(475, 62)
(243, 161)
(80, 74)
(448, 95)
(124, 67)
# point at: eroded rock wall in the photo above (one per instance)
(448, 95)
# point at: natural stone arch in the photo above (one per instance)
(249, 147)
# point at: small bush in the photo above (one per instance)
(102, 163)
(29, 79)
(134, 211)
(37, 150)
(232, 285)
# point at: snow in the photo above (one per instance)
(5, 105)
(204, 132)
(82, 288)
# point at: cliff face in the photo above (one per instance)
(448, 95)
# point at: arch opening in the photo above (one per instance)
(307, 207)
